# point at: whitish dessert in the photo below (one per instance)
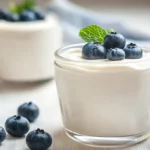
(28, 39)
(104, 91)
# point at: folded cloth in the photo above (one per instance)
(74, 18)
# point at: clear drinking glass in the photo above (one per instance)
(104, 104)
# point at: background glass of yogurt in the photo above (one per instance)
(103, 103)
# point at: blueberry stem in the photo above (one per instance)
(39, 130)
(42, 131)
(29, 103)
(18, 117)
(113, 32)
(131, 45)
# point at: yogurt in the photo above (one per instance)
(27, 49)
(103, 98)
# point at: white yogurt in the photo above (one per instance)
(104, 98)
(27, 49)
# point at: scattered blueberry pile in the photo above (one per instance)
(113, 49)
(24, 16)
(19, 125)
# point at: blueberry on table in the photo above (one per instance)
(39, 140)
(114, 40)
(2, 135)
(29, 111)
(115, 54)
(39, 14)
(27, 15)
(94, 50)
(132, 51)
(17, 126)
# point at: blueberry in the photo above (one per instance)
(94, 50)
(4, 14)
(27, 15)
(114, 40)
(12, 17)
(38, 140)
(2, 135)
(115, 54)
(1, 14)
(17, 126)
(132, 51)
(29, 111)
(39, 14)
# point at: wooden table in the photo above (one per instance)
(45, 96)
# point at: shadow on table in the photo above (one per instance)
(21, 86)
(10, 138)
(63, 142)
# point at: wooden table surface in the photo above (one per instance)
(45, 96)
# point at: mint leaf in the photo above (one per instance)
(13, 7)
(93, 33)
(20, 7)
(16, 8)
(110, 31)
(29, 4)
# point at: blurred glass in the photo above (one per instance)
(130, 18)
(43, 3)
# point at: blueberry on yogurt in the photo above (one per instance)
(115, 54)
(107, 44)
(39, 14)
(133, 51)
(12, 17)
(114, 40)
(94, 50)
(27, 15)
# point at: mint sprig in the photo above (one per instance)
(29, 4)
(94, 33)
(20, 7)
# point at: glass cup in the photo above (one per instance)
(104, 103)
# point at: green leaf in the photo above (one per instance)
(29, 4)
(93, 33)
(12, 7)
(18, 8)
(110, 31)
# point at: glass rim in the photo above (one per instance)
(63, 48)
(59, 51)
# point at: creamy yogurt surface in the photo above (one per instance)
(76, 59)
(50, 20)
(76, 55)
